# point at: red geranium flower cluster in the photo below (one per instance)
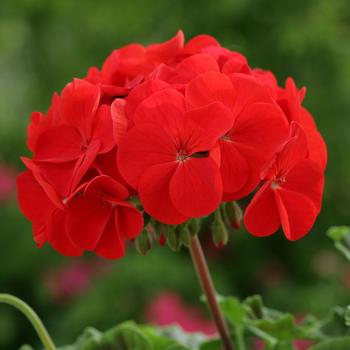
(172, 129)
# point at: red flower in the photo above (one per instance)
(77, 129)
(101, 220)
(290, 100)
(167, 156)
(258, 129)
(291, 195)
(41, 205)
(96, 217)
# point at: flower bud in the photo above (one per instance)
(219, 230)
(234, 214)
(143, 242)
(185, 235)
(172, 237)
(194, 226)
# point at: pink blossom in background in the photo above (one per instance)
(74, 279)
(167, 308)
(7, 182)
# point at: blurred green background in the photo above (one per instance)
(43, 44)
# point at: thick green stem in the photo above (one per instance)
(209, 291)
(32, 317)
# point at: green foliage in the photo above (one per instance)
(333, 344)
(249, 321)
(341, 237)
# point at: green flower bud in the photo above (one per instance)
(234, 214)
(143, 242)
(219, 230)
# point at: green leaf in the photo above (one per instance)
(341, 237)
(211, 345)
(126, 336)
(154, 335)
(255, 306)
(178, 335)
(338, 233)
(333, 344)
(283, 328)
(176, 347)
(233, 310)
(347, 316)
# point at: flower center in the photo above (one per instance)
(182, 155)
(278, 181)
(226, 138)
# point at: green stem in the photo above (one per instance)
(32, 317)
(207, 285)
(240, 339)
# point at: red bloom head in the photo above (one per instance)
(176, 129)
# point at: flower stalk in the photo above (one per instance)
(32, 317)
(207, 285)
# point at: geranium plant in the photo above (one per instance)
(155, 141)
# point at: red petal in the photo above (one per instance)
(32, 199)
(249, 90)
(58, 237)
(196, 187)
(154, 194)
(192, 66)
(261, 217)
(128, 61)
(39, 123)
(103, 129)
(165, 108)
(83, 164)
(41, 179)
(86, 221)
(111, 244)
(59, 144)
(297, 213)
(79, 102)
(293, 151)
(234, 168)
(106, 164)
(306, 177)
(236, 64)
(120, 121)
(316, 146)
(167, 50)
(105, 187)
(252, 182)
(210, 123)
(261, 127)
(141, 92)
(129, 221)
(210, 87)
(142, 147)
(199, 42)
(306, 119)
